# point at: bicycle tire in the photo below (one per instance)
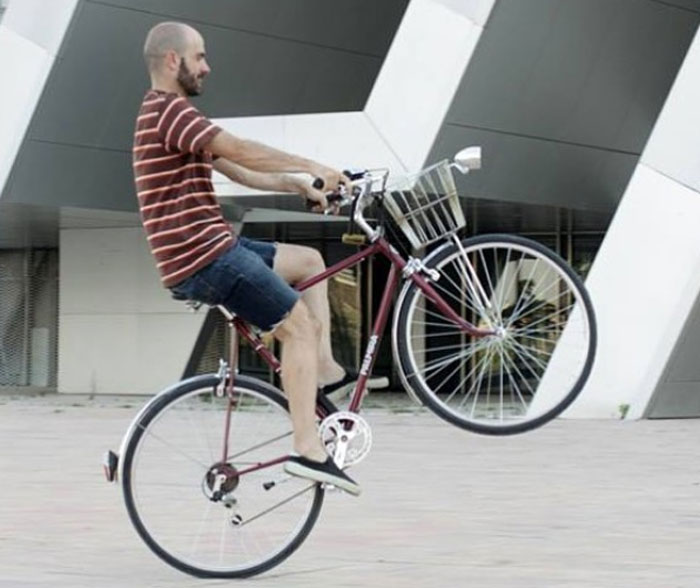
(523, 392)
(167, 527)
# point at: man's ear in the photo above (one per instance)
(172, 60)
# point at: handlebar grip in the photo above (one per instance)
(330, 198)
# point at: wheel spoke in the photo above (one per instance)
(522, 298)
(235, 456)
(549, 317)
(466, 378)
(434, 349)
(175, 449)
(256, 516)
(513, 383)
(466, 300)
(524, 354)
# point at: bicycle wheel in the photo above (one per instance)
(531, 369)
(206, 515)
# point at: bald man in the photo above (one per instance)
(199, 257)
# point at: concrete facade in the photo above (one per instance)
(646, 279)
(563, 95)
(119, 331)
(379, 133)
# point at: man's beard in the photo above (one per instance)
(190, 83)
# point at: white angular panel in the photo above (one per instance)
(674, 146)
(31, 33)
(405, 110)
(477, 11)
(42, 22)
(264, 129)
(643, 284)
(27, 71)
(342, 140)
(421, 72)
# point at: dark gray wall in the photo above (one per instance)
(267, 56)
(563, 94)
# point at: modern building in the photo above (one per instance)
(585, 111)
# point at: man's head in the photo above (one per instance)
(175, 57)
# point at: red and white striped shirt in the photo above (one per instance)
(182, 218)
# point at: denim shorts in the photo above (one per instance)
(242, 280)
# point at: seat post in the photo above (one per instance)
(233, 348)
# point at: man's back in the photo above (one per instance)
(180, 214)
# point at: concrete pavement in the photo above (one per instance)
(574, 504)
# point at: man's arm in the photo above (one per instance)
(256, 157)
(271, 182)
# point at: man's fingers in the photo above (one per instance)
(319, 200)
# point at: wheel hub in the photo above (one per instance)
(501, 332)
(220, 480)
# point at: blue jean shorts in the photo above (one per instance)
(241, 279)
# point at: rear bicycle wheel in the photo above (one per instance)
(536, 363)
(209, 516)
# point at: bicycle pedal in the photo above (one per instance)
(269, 485)
(110, 463)
(354, 239)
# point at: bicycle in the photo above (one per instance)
(495, 334)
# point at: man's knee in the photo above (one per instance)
(297, 262)
(313, 258)
(308, 262)
(299, 324)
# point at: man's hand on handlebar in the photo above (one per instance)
(327, 181)
(316, 200)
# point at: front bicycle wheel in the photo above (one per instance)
(542, 349)
(206, 513)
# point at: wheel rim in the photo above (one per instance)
(534, 364)
(172, 503)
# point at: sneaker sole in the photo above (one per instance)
(297, 469)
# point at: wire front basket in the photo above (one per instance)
(426, 206)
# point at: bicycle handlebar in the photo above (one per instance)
(338, 198)
(355, 192)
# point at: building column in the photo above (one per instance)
(120, 332)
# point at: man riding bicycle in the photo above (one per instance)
(198, 255)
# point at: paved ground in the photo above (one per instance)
(577, 503)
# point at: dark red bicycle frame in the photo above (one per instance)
(398, 264)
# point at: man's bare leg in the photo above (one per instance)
(295, 263)
(299, 333)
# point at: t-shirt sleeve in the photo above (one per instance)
(183, 128)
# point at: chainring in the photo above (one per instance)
(347, 437)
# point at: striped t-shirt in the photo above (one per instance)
(182, 218)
